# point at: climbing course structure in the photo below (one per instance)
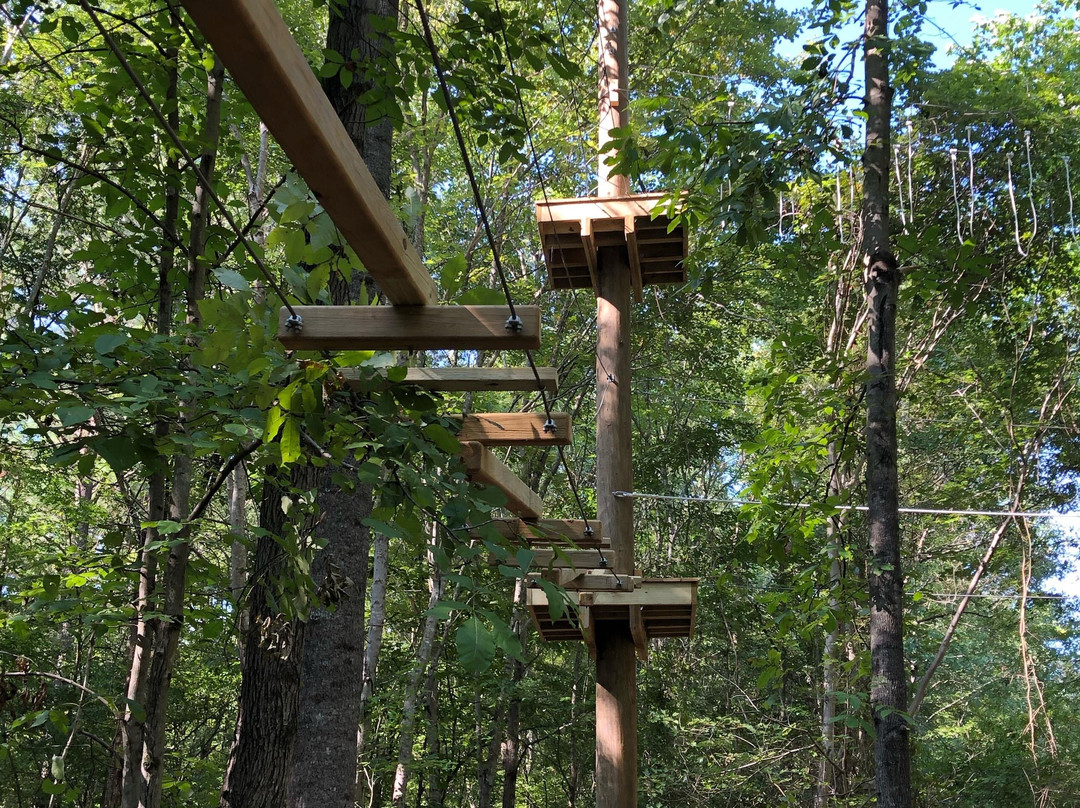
(615, 244)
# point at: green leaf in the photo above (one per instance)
(290, 441)
(475, 645)
(78, 414)
(275, 417)
(556, 598)
(107, 343)
(232, 279)
(57, 767)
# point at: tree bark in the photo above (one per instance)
(888, 686)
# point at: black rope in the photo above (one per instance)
(482, 213)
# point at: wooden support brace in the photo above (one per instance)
(408, 328)
(589, 243)
(635, 258)
(517, 429)
(470, 379)
(484, 467)
(268, 66)
(587, 623)
(637, 630)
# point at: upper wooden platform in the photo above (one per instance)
(573, 230)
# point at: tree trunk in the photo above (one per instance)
(261, 757)
(408, 710)
(511, 751)
(380, 573)
(325, 768)
(888, 687)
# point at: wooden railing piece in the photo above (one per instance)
(412, 328)
(516, 429)
(471, 379)
(256, 46)
(484, 467)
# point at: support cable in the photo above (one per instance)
(1012, 204)
(900, 186)
(910, 187)
(923, 511)
(294, 318)
(482, 213)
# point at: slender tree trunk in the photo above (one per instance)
(237, 495)
(424, 655)
(888, 686)
(511, 751)
(133, 789)
(380, 574)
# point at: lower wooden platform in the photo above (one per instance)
(655, 608)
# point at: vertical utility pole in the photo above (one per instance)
(616, 665)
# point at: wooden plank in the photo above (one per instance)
(612, 207)
(634, 256)
(569, 559)
(516, 429)
(589, 245)
(637, 631)
(544, 532)
(268, 66)
(587, 624)
(484, 467)
(592, 580)
(409, 328)
(467, 379)
(646, 592)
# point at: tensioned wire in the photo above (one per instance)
(496, 258)
(925, 511)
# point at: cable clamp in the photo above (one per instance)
(514, 324)
(589, 530)
(294, 323)
(603, 562)
(549, 425)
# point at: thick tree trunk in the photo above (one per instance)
(257, 774)
(888, 686)
(324, 775)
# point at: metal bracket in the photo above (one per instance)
(549, 425)
(589, 531)
(514, 324)
(295, 323)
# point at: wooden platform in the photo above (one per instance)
(658, 607)
(573, 230)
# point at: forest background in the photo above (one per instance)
(170, 477)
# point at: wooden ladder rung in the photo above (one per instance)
(517, 429)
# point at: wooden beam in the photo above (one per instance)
(408, 328)
(546, 532)
(268, 66)
(589, 243)
(516, 429)
(471, 379)
(484, 467)
(569, 559)
(635, 258)
(637, 631)
(587, 623)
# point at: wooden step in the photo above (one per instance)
(408, 328)
(516, 429)
(557, 532)
(468, 379)
(483, 467)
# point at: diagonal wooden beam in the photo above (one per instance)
(411, 328)
(256, 46)
(517, 429)
(484, 467)
(551, 532)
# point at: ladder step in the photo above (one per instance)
(548, 532)
(516, 429)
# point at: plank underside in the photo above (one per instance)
(572, 230)
(483, 467)
(550, 532)
(256, 46)
(409, 328)
(470, 379)
(516, 429)
(668, 608)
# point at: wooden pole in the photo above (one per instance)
(616, 664)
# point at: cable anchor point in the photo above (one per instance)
(294, 323)
(514, 324)
(549, 425)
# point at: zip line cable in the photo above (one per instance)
(175, 138)
(900, 186)
(914, 510)
(910, 187)
(482, 213)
